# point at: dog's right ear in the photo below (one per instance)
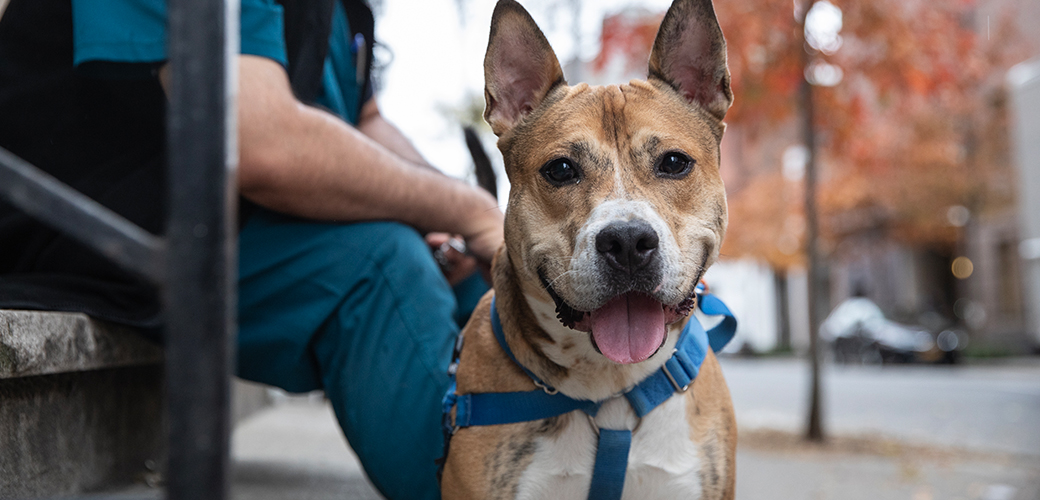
(520, 67)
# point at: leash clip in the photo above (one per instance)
(671, 379)
(448, 417)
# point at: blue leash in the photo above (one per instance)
(608, 473)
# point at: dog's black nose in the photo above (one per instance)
(628, 246)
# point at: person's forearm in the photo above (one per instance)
(340, 174)
(303, 161)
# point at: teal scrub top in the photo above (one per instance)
(132, 34)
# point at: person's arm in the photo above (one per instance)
(304, 161)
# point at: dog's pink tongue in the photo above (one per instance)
(629, 328)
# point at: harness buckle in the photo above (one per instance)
(548, 390)
(671, 379)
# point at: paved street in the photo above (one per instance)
(905, 432)
(981, 407)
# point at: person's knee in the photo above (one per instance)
(398, 287)
(402, 254)
(394, 239)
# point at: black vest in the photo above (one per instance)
(307, 27)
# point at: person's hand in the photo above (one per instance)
(484, 237)
(450, 252)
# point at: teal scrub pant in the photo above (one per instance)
(362, 311)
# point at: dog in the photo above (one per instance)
(615, 212)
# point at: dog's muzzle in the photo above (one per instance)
(629, 259)
(629, 322)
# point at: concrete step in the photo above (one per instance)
(81, 406)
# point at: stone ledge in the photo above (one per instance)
(42, 343)
(71, 433)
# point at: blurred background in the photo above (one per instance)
(926, 153)
(923, 199)
(925, 157)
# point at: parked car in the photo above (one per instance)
(859, 333)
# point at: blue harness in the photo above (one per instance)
(608, 473)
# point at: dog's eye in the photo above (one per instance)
(561, 172)
(674, 165)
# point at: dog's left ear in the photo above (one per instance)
(520, 67)
(690, 55)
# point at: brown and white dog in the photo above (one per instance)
(616, 210)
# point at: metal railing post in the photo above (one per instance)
(200, 296)
(196, 262)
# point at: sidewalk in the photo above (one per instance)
(776, 465)
(296, 451)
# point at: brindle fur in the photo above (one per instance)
(614, 134)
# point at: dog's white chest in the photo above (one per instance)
(663, 461)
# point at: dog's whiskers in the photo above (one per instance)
(558, 278)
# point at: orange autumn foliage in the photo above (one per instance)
(916, 125)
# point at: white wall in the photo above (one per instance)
(798, 308)
(749, 289)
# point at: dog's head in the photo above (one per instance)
(616, 206)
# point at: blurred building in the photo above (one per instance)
(1001, 299)
(1024, 80)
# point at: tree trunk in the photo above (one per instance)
(814, 430)
(783, 315)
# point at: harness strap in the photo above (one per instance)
(690, 350)
(490, 408)
(496, 327)
(722, 333)
(608, 475)
(677, 373)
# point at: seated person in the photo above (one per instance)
(337, 287)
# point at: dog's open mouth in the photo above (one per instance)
(629, 328)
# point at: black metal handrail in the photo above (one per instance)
(49, 200)
(194, 262)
